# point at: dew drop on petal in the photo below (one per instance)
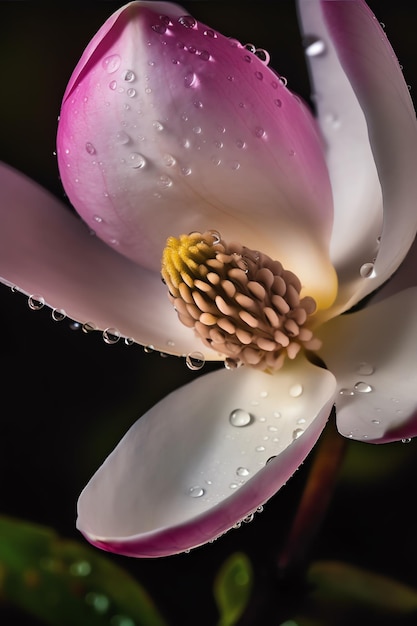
(36, 302)
(111, 63)
(367, 270)
(406, 440)
(346, 392)
(196, 491)
(169, 160)
(362, 387)
(131, 92)
(260, 448)
(129, 76)
(88, 327)
(296, 390)
(242, 471)
(129, 341)
(210, 33)
(232, 364)
(240, 418)
(148, 349)
(190, 79)
(297, 433)
(314, 46)
(122, 138)
(187, 21)
(111, 335)
(58, 315)
(165, 182)
(365, 369)
(159, 28)
(195, 360)
(216, 236)
(136, 160)
(90, 148)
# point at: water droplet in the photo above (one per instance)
(190, 79)
(169, 160)
(198, 104)
(98, 601)
(111, 335)
(248, 518)
(129, 76)
(80, 568)
(113, 85)
(216, 236)
(210, 33)
(365, 369)
(314, 46)
(240, 418)
(136, 160)
(242, 471)
(259, 75)
(277, 414)
(122, 138)
(263, 55)
(233, 485)
(235, 165)
(375, 421)
(187, 21)
(232, 364)
(283, 81)
(111, 63)
(197, 130)
(247, 58)
(259, 131)
(161, 29)
(260, 448)
(129, 341)
(278, 102)
(157, 125)
(362, 387)
(204, 55)
(406, 440)
(36, 302)
(90, 148)
(196, 491)
(186, 171)
(250, 47)
(165, 182)
(346, 392)
(296, 390)
(58, 315)
(240, 144)
(148, 349)
(195, 360)
(272, 429)
(367, 270)
(131, 92)
(297, 433)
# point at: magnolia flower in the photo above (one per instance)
(177, 143)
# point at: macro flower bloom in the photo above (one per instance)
(180, 144)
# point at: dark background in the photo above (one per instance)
(68, 397)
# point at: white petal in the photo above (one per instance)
(183, 474)
(360, 86)
(46, 251)
(372, 353)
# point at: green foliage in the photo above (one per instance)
(232, 588)
(64, 582)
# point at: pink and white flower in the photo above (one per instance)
(168, 127)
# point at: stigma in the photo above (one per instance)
(240, 302)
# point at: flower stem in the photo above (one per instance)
(314, 501)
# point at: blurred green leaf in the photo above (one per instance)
(344, 594)
(64, 582)
(232, 588)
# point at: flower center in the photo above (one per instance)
(240, 302)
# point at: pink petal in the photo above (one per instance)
(169, 127)
(183, 474)
(360, 89)
(372, 353)
(46, 251)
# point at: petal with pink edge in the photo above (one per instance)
(170, 127)
(361, 91)
(197, 463)
(372, 353)
(45, 250)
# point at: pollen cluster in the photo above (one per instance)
(240, 302)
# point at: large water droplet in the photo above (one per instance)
(58, 315)
(232, 364)
(195, 360)
(169, 160)
(297, 433)
(362, 387)
(36, 302)
(159, 28)
(129, 76)
(136, 160)
(111, 63)
(365, 369)
(314, 46)
(242, 471)
(196, 491)
(165, 182)
(367, 270)
(190, 79)
(240, 418)
(122, 138)
(187, 21)
(111, 335)
(90, 148)
(131, 92)
(259, 132)
(296, 390)
(210, 33)
(157, 125)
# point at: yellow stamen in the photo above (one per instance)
(240, 302)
